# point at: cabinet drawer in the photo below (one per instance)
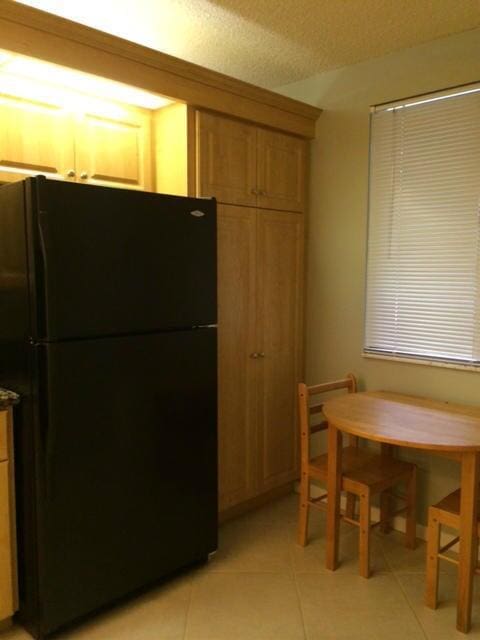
(3, 435)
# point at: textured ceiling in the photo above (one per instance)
(272, 42)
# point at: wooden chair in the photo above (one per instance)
(365, 474)
(446, 512)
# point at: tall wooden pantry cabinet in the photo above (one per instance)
(258, 178)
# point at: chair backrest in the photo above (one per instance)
(307, 409)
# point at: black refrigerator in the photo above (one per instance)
(108, 331)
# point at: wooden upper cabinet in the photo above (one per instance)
(236, 342)
(281, 169)
(34, 138)
(226, 159)
(280, 251)
(239, 163)
(37, 138)
(114, 152)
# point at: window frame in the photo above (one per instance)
(399, 356)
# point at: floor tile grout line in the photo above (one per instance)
(300, 606)
(240, 572)
(190, 596)
(297, 589)
(410, 605)
(404, 593)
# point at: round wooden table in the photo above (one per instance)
(394, 419)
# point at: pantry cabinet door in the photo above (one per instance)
(226, 159)
(237, 370)
(280, 321)
(281, 171)
(35, 138)
(115, 151)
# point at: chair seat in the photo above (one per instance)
(451, 503)
(361, 467)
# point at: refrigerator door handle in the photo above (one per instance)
(42, 418)
(41, 271)
(45, 240)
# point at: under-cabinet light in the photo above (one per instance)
(42, 93)
(61, 78)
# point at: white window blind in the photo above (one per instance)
(423, 267)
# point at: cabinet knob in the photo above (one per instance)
(84, 175)
(254, 355)
(261, 354)
(262, 192)
(254, 191)
(71, 173)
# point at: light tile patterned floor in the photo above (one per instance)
(262, 586)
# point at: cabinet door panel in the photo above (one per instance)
(281, 171)
(226, 159)
(6, 560)
(236, 337)
(34, 138)
(114, 152)
(280, 321)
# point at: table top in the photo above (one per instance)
(408, 421)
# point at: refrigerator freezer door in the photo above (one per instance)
(127, 467)
(114, 261)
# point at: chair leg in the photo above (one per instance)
(364, 553)
(433, 544)
(385, 526)
(350, 506)
(411, 521)
(303, 509)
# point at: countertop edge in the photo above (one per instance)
(8, 398)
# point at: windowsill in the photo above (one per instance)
(430, 363)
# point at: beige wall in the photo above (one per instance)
(338, 219)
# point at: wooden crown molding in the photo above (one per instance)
(36, 33)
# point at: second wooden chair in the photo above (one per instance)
(365, 474)
(447, 513)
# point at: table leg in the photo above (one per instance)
(468, 539)
(387, 451)
(334, 486)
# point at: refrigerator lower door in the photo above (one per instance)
(127, 467)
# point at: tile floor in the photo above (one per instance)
(262, 586)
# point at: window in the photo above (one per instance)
(423, 266)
